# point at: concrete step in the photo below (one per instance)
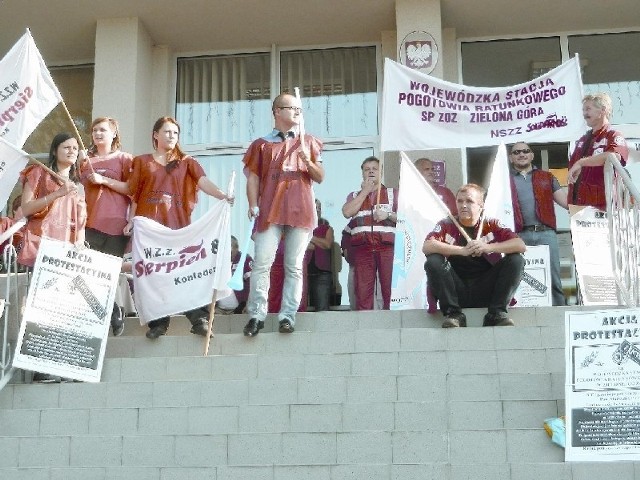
(348, 395)
(353, 320)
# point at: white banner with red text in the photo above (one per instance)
(421, 112)
(175, 271)
(27, 91)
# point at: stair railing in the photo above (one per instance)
(623, 213)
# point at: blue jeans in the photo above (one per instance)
(548, 237)
(295, 245)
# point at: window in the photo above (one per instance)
(224, 102)
(610, 64)
(224, 99)
(338, 87)
(499, 63)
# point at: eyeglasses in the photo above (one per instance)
(293, 109)
(518, 152)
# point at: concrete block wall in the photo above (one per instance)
(349, 395)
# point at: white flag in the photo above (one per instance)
(12, 161)
(498, 203)
(419, 209)
(175, 271)
(28, 93)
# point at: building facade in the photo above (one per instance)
(216, 65)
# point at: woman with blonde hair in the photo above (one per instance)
(104, 174)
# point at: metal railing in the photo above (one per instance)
(623, 213)
(10, 319)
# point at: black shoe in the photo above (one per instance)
(285, 326)
(253, 327)
(117, 321)
(201, 329)
(454, 320)
(155, 332)
(39, 377)
(497, 320)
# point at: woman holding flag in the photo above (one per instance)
(104, 174)
(52, 199)
(164, 186)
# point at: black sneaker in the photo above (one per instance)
(117, 321)
(253, 327)
(454, 320)
(497, 320)
(201, 329)
(155, 332)
(285, 326)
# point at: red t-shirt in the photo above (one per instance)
(107, 209)
(589, 189)
(168, 198)
(284, 196)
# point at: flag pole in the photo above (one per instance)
(78, 135)
(74, 125)
(443, 206)
(481, 224)
(212, 306)
(212, 312)
(301, 130)
(57, 176)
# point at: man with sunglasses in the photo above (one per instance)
(280, 170)
(533, 192)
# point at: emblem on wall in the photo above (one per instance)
(419, 51)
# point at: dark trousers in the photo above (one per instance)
(199, 315)
(113, 245)
(320, 290)
(493, 290)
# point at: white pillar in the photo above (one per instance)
(123, 79)
(420, 16)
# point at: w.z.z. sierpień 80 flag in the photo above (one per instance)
(175, 271)
(27, 91)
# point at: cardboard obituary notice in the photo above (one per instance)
(591, 247)
(68, 311)
(602, 389)
(535, 288)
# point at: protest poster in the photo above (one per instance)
(591, 248)
(422, 112)
(68, 311)
(602, 386)
(535, 288)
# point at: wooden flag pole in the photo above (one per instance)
(77, 134)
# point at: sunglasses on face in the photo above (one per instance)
(518, 152)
